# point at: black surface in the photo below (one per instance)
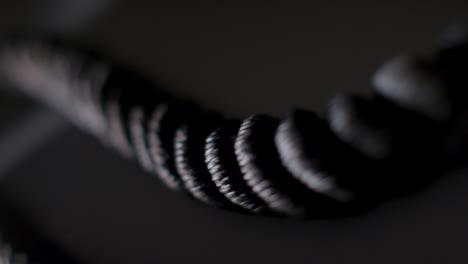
(243, 57)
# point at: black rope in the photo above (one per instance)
(365, 151)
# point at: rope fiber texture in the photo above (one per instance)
(365, 150)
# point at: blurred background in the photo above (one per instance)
(238, 57)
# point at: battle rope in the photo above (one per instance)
(367, 150)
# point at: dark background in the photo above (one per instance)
(239, 57)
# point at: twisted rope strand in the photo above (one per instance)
(366, 150)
